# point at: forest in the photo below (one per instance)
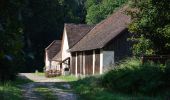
(28, 26)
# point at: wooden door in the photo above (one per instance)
(89, 62)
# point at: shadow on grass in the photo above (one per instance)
(11, 90)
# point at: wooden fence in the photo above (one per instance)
(156, 58)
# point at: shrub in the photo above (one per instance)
(133, 77)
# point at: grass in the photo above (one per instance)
(68, 78)
(11, 90)
(45, 93)
(89, 89)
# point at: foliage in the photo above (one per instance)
(142, 46)
(28, 26)
(11, 37)
(11, 90)
(98, 10)
(133, 77)
(151, 22)
(43, 22)
(90, 88)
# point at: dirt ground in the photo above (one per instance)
(59, 89)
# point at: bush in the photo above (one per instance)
(133, 77)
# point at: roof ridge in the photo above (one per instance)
(118, 10)
(116, 23)
(52, 44)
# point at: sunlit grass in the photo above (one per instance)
(68, 78)
(39, 73)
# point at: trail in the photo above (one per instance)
(52, 84)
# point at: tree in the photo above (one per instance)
(151, 21)
(43, 22)
(11, 38)
(98, 10)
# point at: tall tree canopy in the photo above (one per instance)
(151, 26)
(43, 22)
(11, 37)
(28, 26)
(98, 10)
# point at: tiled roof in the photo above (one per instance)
(75, 32)
(53, 48)
(57, 57)
(103, 32)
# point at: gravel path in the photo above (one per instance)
(51, 83)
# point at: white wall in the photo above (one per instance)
(47, 62)
(108, 60)
(55, 65)
(65, 48)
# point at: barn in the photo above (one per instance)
(71, 35)
(50, 53)
(89, 50)
(102, 47)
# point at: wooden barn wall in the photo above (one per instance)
(73, 63)
(97, 62)
(120, 45)
(79, 63)
(89, 62)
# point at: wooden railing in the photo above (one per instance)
(155, 58)
(52, 73)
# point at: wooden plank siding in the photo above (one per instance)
(97, 62)
(79, 63)
(89, 62)
(120, 45)
(73, 64)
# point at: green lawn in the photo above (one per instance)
(68, 78)
(11, 90)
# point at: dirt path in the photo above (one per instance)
(59, 89)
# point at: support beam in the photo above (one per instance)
(84, 64)
(76, 65)
(93, 62)
(101, 61)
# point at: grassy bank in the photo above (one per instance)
(90, 89)
(130, 80)
(11, 90)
